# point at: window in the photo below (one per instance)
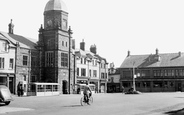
(90, 73)
(66, 44)
(49, 43)
(165, 73)
(172, 72)
(94, 73)
(33, 61)
(84, 60)
(105, 75)
(64, 59)
(25, 78)
(49, 59)
(25, 60)
(102, 75)
(11, 63)
(1, 63)
(78, 71)
(5, 47)
(83, 72)
(33, 78)
(81, 60)
(95, 62)
(62, 43)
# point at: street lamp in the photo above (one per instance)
(134, 76)
(70, 33)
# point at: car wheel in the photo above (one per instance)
(7, 103)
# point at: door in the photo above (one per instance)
(178, 86)
(65, 87)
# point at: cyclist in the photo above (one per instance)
(87, 93)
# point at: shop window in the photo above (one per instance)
(157, 84)
(126, 84)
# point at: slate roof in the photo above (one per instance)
(153, 60)
(88, 54)
(23, 41)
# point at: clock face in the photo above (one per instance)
(49, 23)
(57, 22)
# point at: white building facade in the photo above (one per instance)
(91, 68)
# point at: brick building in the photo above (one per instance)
(56, 58)
(159, 72)
(17, 59)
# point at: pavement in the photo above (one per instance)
(104, 104)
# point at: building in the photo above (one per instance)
(113, 84)
(159, 72)
(56, 58)
(91, 67)
(51, 59)
(15, 60)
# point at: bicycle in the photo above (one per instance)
(83, 100)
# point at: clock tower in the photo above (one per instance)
(55, 46)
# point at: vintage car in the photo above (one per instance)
(5, 95)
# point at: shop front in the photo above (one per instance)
(8, 80)
(103, 86)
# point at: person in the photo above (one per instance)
(123, 89)
(18, 89)
(87, 93)
(21, 90)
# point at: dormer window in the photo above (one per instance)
(4, 47)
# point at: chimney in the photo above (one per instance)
(93, 49)
(11, 26)
(156, 51)
(128, 54)
(82, 45)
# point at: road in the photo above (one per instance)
(104, 104)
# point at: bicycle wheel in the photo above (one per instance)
(90, 100)
(82, 101)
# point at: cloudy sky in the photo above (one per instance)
(114, 26)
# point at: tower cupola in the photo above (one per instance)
(55, 15)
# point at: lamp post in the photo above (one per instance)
(69, 72)
(134, 76)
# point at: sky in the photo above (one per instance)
(114, 26)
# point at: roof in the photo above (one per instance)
(23, 41)
(56, 5)
(88, 54)
(153, 60)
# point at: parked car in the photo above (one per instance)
(5, 95)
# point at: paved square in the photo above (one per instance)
(104, 104)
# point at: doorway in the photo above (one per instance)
(64, 86)
(178, 86)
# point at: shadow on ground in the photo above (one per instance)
(175, 112)
(72, 106)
